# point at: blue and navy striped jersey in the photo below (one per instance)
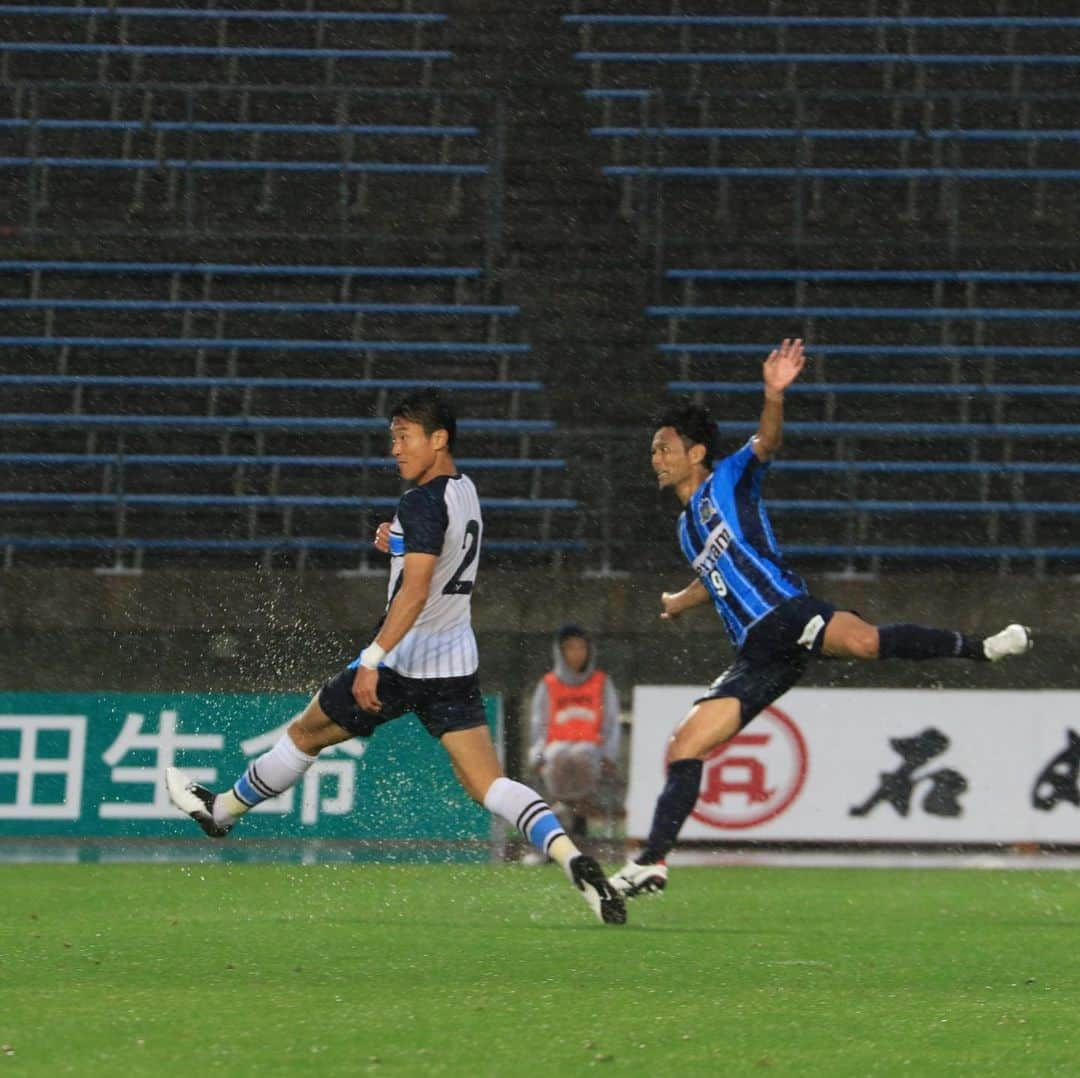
(726, 536)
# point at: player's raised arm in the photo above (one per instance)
(780, 369)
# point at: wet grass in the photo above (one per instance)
(479, 970)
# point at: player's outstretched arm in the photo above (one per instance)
(779, 370)
(673, 603)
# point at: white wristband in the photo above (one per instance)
(372, 655)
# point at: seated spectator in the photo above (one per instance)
(574, 725)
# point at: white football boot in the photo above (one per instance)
(1012, 640)
(194, 800)
(633, 879)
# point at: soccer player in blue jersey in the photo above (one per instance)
(775, 625)
(422, 659)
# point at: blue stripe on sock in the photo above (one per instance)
(246, 792)
(253, 776)
(543, 830)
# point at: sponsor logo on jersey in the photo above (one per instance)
(717, 543)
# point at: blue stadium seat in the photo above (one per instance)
(259, 306)
(235, 158)
(712, 172)
(810, 134)
(872, 555)
(223, 51)
(199, 460)
(880, 46)
(827, 22)
(880, 150)
(963, 379)
(166, 318)
(914, 430)
(871, 400)
(24, 420)
(990, 314)
(41, 125)
(907, 157)
(229, 64)
(841, 505)
(260, 441)
(170, 409)
(391, 168)
(328, 193)
(167, 503)
(226, 269)
(882, 351)
(874, 275)
(274, 474)
(236, 44)
(206, 273)
(946, 325)
(403, 385)
(264, 344)
(84, 13)
(130, 553)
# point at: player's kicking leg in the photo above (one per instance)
(478, 770)
(847, 636)
(710, 722)
(278, 769)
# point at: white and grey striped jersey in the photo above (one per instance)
(439, 517)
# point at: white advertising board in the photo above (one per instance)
(875, 765)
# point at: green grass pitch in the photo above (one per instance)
(500, 970)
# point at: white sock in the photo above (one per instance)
(271, 774)
(523, 808)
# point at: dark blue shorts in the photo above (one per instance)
(774, 656)
(442, 704)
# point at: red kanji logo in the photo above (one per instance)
(755, 776)
(731, 774)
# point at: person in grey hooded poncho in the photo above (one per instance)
(574, 724)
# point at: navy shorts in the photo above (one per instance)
(443, 704)
(774, 656)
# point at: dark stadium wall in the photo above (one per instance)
(258, 632)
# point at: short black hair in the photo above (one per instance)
(693, 424)
(432, 410)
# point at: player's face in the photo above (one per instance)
(415, 452)
(670, 460)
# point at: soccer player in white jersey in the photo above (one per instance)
(775, 625)
(423, 659)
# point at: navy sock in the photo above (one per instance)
(675, 803)
(919, 642)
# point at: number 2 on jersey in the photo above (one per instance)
(471, 543)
